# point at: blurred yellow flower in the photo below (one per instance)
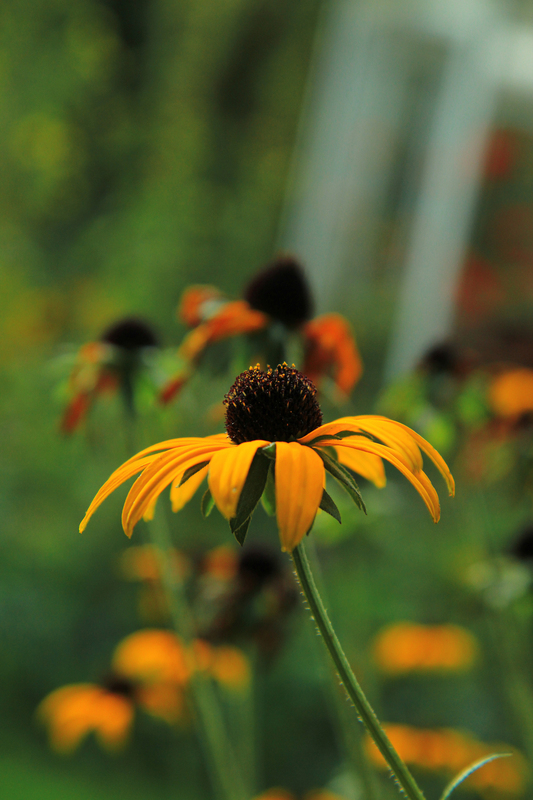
(72, 712)
(273, 424)
(105, 365)
(152, 656)
(141, 563)
(405, 646)
(449, 751)
(221, 563)
(511, 392)
(227, 665)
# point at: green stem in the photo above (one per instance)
(356, 694)
(348, 729)
(211, 728)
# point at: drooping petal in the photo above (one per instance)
(143, 459)
(160, 474)
(234, 318)
(228, 472)
(364, 464)
(390, 434)
(405, 442)
(418, 478)
(299, 478)
(330, 348)
(430, 452)
(118, 477)
(195, 302)
(180, 495)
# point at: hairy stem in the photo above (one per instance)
(356, 694)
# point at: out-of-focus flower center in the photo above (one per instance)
(117, 684)
(281, 291)
(278, 405)
(130, 334)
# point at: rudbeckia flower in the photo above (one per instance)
(72, 712)
(276, 302)
(511, 393)
(405, 647)
(276, 447)
(108, 365)
(449, 751)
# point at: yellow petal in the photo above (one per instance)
(419, 479)
(228, 472)
(365, 464)
(400, 440)
(176, 455)
(180, 495)
(330, 429)
(159, 475)
(299, 483)
(433, 455)
(118, 477)
(138, 462)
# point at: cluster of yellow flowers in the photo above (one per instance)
(150, 670)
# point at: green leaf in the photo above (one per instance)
(324, 436)
(251, 492)
(328, 505)
(270, 450)
(468, 771)
(192, 471)
(344, 477)
(268, 498)
(207, 504)
(242, 530)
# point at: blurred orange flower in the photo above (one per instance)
(277, 294)
(104, 366)
(405, 646)
(141, 563)
(227, 665)
(152, 656)
(221, 563)
(72, 712)
(511, 393)
(449, 751)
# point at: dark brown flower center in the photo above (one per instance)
(278, 405)
(130, 334)
(117, 684)
(281, 291)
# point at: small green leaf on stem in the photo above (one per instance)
(468, 771)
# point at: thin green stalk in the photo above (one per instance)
(347, 728)
(363, 707)
(210, 724)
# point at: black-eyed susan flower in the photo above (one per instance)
(276, 303)
(150, 671)
(152, 656)
(408, 647)
(73, 712)
(449, 751)
(108, 365)
(510, 393)
(275, 447)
